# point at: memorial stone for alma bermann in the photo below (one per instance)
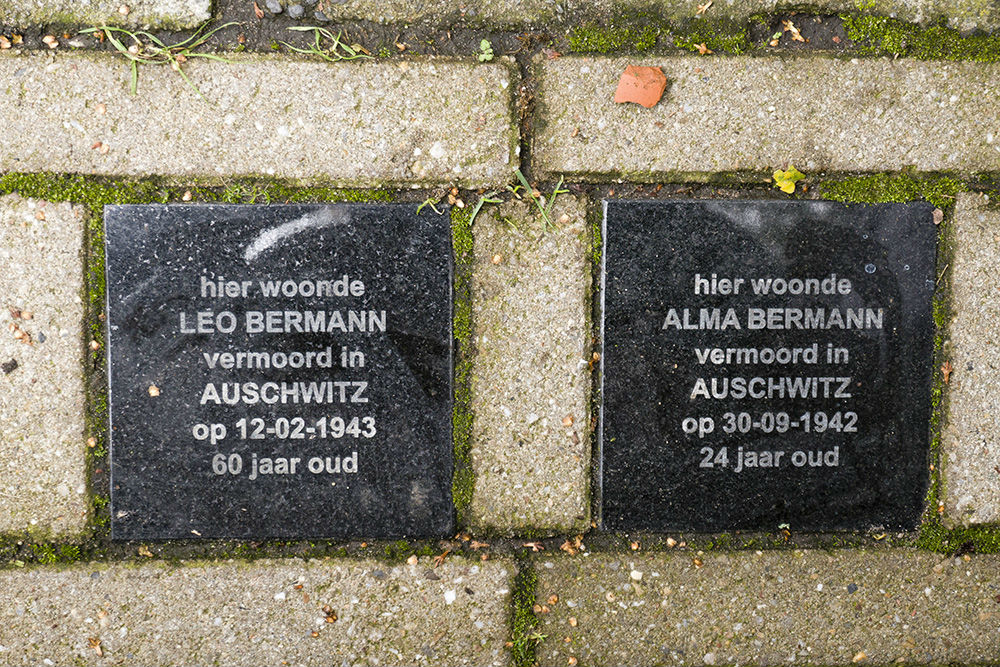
(279, 371)
(766, 363)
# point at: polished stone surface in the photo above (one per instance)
(766, 363)
(279, 371)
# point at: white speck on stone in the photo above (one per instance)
(927, 591)
(449, 597)
(709, 659)
(437, 150)
(819, 587)
(279, 596)
(532, 418)
(636, 575)
(218, 620)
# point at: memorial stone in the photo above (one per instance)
(766, 364)
(279, 371)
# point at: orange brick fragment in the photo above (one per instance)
(642, 85)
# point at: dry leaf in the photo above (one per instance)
(703, 8)
(946, 369)
(154, 390)
(938, 216)
(859, 656)
(95, 644)
(788, 26)
(257, 11)
(144, 551)
(534, 546)
(703, 50)
(438, 560)
(476, 545)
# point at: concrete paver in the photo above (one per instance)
(370, 124)
(531, 383)
(770, 608)
(43, 479)
(971, 444)
(736, 114)
(258, 613)
(177, 14)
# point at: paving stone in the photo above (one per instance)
(257, 613)
(971, 456)
(372, 124)
(43, 476)
(733, 114)
(531, 382)
(506, 14)
(962, 14)
(770, 608)
(177, 14)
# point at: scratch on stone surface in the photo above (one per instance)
(267, 238)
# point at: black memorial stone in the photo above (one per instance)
(279, 371)
(766, 363)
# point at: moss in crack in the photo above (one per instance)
(615, 36)
(884, 188)
(524, 636)
(716, 35)
(463, 482)
(642, 32)
(974, 539)
(880, 36)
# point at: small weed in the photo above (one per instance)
(544, 206)
(430, 201)
(485, 51)
(154, 51)
(333, 53)
(488, 198)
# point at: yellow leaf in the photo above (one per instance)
(786, 180)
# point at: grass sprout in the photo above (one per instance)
(336, 51)
(148, 49)
(430, 201)
(544, 205)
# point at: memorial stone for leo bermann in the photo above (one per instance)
(279, 371)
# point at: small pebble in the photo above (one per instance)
(296, 11)
(273, 6)
(8, 366)
(320, 16)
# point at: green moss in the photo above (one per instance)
(975, 539)
(718, 36)
(593, 37)
(883, 188)
(879, 36)
(524, 636)
(463, 482)
(596, 239)
(398, 550)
